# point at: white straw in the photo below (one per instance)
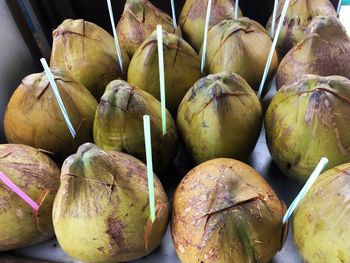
(58, 96)
(273, 22)
(315, 174)
(119, 53)
(273, 47)
(236, 9)
(206, 29)
(173, 13)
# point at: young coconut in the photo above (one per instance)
(220, 116)
(224, 211)
(33, 116)
(101, 211)
(118, 124)
(140, 18)
(309, 119)
(321, 223)
(299, 15)
(88, 53)
(240, 46)
(325, 51)
(192, 18)
(38, 176)
(181, 68)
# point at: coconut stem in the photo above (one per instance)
(173, 13)
(321, 165)
(18, 191)
(161, 76)
(273, 22)
(119, 53)
(206, 29)
(58, 96)
(273, 47)
(148, 145)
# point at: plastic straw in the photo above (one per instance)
(273, 22)
(58, 96)
(339, 6)
(119, 53)
(148, 145)
(205, 40)
(236, 9)
(173, 13)
(321, 165)
(18, 191)
(161, 76)
(273, 47)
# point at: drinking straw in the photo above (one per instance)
(119, 53)
(173, 13)
(161, 76)
(205, 40)
(321, 165)
(273, 47)
(18, 191)
(236, 9)
(148, 145)
(273, 22)
(58, 96)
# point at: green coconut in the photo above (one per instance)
(224, 211)
(38, 176)
(88, 53)
(309, 119)
(181, 68)
(321, 222)
(140, 18)
(33, 116)
(220, 116)
(118, 124)
(193, 14)
(101, 211)
(325, 51)
(299, 15)
(240, 46)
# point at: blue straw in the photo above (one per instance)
(273, 47)
(236, 9)
(150, 176)
(315, 174)
(206, 29)
(273, 22)
(119, 53)
(58, 96)
(339, 6)
(173, 13)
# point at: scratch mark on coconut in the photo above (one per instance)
(117, 239)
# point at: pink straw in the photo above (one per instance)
(18, 191)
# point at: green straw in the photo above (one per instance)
(148, 145)
(161, 76)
